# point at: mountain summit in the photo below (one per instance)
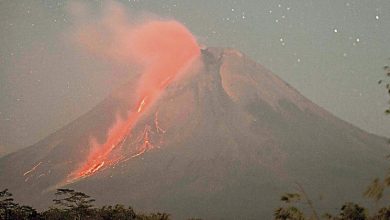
(223, 141)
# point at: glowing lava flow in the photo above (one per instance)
(157, 125)
(141, 105)
(165, 49)
(147, 145)
(32, 169)
(99, 158)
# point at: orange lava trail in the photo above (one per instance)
(157, 125)
(98, 159)
(147, 145)
(164, 49)
(32, 169)
(141, 105)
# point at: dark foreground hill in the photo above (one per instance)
(223, 142)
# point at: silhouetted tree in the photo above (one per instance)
(288, 211)
(71, 205)
(11, 210)
(7, 205)
(377, 188)
(116, 212)
(350, 211)
(54, 213)
(387, 84)
(76, 204)
(154, 216)
(26, 213)
(383, 214)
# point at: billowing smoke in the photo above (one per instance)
(162, 49)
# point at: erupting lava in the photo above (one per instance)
(157, 125)
(32, 169)
(164, 49)
(147, 145)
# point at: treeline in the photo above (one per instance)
(295, 203)
(71, 205)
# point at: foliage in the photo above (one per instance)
(353, 211)
(7, 204)
(11, 210)
(287, 213)
(387, 85)
(376, 189)
(383, 214)
(350, 211)
(154, 216)
(71, 205)
(292, 212)
(295, 203)
(117, 212)
(75, 204)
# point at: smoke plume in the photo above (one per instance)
(161, 49)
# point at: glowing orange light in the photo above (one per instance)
(157, 125)
(94, 168)
(147, 145)
(142, 104)
(164, 49)
(32, 169)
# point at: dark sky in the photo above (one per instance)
(331, 51)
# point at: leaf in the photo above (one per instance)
(387, 180)
(291, 197)
(375, 190)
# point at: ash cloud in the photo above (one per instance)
(154, 46)
(160, 49)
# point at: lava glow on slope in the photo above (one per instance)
(164, 49)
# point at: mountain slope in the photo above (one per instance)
(223, 142)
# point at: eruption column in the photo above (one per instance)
(164, 49)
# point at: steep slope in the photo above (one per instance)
(223, 142)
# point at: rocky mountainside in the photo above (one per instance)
(225, 141)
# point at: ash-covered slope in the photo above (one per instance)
(223, 142)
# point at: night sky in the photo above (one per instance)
(331, 51)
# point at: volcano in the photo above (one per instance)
(224, 141)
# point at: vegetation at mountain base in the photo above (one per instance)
(71, 205)
(295, 203)
(386, 82)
